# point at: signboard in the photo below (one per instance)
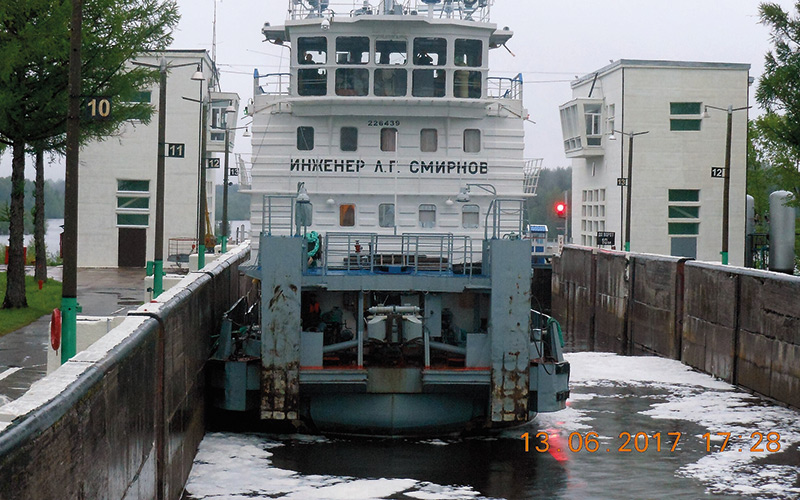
(175, 150)
(213, 163)
(233, 171)
(717, 172)
(622, 181)
(606, 238)
(97, 108)
(560, 243)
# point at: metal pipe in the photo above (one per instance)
(341, 346)
(394, 310)
(448, 348)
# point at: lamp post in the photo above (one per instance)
(201, 212)
(224, 236)
(158, 252)
(727, 176)
(629, 182)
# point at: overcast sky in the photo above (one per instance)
(553, 42)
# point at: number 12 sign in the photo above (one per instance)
(717, 172)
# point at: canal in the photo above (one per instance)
(635, 427)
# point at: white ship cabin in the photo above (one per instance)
(388, 121)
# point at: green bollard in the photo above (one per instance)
(69, 327)
(201, 256)
(224, 243)
(158, 278)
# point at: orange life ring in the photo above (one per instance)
(55, 329)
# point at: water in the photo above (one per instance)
(611, 395)
(52, 236)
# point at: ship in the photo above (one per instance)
(388, 187)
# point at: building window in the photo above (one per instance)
(352, 50)
(312, 50)
(427, 215)
(679, 212)
(128, 185)
(468, 53)
(134, 220)
(142, 96)
(393, 52)
(133, 203)
(610, 112)
(428, 83)
(305, 138)
(683, 225)
(470, 216)
(347, 215)
(685, 116)
(348, 139)
(592, 114)
(472, 140)
(386, 215)
(684, 195)
(467, 84)
(391, 82)
(352, 82)
(430, 51)
(428, 140)
(388, 139)
(593, 215)
(569, 127)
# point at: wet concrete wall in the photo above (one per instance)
(738, 324)
(122, 419)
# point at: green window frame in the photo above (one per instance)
(681, 212)
(689, 228)
(684, 125)
(133, 185)
(685, 108)
(129, 202)
(137, 220)
(684, 195)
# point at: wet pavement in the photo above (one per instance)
(101, 292)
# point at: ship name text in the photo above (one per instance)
(353, 166)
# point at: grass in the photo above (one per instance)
(40, 303)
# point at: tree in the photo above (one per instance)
(778, 138)
(34, 68)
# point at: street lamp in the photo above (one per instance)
(629, 182)
(201, 216)
(727, 175)
(224, 235)
(158, 253)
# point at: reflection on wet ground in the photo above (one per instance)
(611, 396)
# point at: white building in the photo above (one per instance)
(676, 204)
(117, 180)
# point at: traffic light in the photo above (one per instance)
(561, 209)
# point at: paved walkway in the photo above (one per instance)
(101, 292)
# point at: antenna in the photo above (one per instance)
(214, 37)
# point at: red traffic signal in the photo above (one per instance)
(561, 209)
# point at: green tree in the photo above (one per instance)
(34, 68)
(777, 140)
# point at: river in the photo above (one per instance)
(612, 396)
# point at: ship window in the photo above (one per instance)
(349, 139)
(352, 81)
(347, 215)
(428, 83)
(305, 138)
(470, 216)
(312, 50)
(467, 84)
(388, 139)
(390, 82)
(427, 215)
(430, 51)
(391, 52)
(468, 53)
(386, 215)
(428, 140)
(312, 81)
(472, 140)
(352, 50)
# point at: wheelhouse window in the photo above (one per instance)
(352, 50)
(312, 82)
(468, 52)
(427, 215)
(305, 138)
(428, 83)
(472, 140)
(391, 82)
(348, 140)
(352, 81)
(386, 215)
(428, 140)
(312, 50)
(593, 114)
(467, 84)
(394, 52)
(430, 51)
(388, 139)
(347, 215)
(470, 216)
(685, 116)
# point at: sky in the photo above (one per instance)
(553, 42)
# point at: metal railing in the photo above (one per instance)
(469, 10)
(504, 218)
(406, 253)
(530, 175)
(272, 83)
(502, 87)
(278, 214)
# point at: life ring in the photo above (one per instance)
(55, 329)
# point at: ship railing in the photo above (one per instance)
(469, 10)
(271, 83)
(530, 175)
(278, 215)
(503, 87)
(505, 218)
(406, 253)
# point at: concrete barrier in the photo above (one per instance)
(123, 418)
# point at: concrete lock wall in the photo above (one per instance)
(122, 419)
(740, 325)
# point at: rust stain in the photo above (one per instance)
(293, 288)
